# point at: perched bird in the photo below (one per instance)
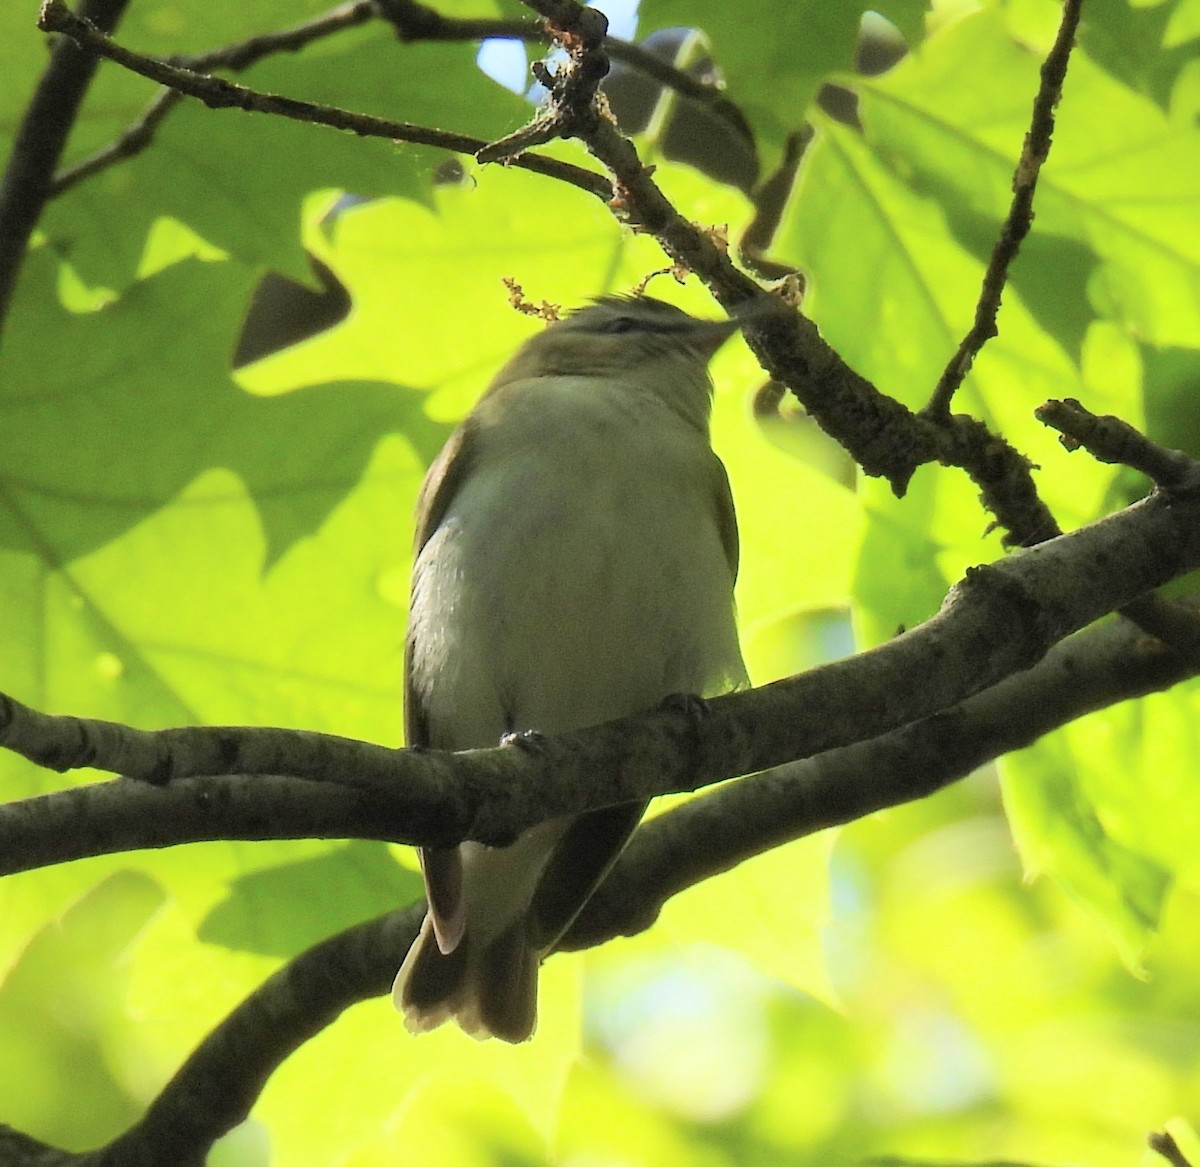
(576, 550)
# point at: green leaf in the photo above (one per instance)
(238, 179)
(134, 554)
(457, 1122)
(1127, 39)
(788, 512)
(1171, 378)
(1054, 797)
(1122, 180)
(148, 375)
(770, 910)
(774, 56)
(441, 1091)
(67, 1031)
(280, 911)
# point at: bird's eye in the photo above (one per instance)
(620, 324)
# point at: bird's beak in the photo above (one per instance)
(706, 336)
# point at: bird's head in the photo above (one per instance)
(617, 334)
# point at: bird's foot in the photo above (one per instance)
(532, 741)
(694, 707)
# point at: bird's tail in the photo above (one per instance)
(490, 990)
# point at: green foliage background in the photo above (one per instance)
(182, 544)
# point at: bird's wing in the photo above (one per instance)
(582, 858)
(442, 866)
(725, 515)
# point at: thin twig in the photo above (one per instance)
(574, 88)
(1111, 440)
(245, 53)
(219, 93)
(1164, 1144)
(881, 434)
(1020, 214)
(412, 22)
(138, 136)
(132, 141)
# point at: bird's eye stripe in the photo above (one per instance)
(620, 324)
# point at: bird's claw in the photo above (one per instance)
(694, 707)
(532, 741)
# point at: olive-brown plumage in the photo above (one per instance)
(576, 553)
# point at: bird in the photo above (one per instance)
(575, 558)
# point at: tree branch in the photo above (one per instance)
(412, 22)
(709, 835)
(999, 620)
(214, 1089)
(1019, 220)
(219, 93)
(1164, 1144)
(105, 818)
(40, 141)
(1109, 439)
(238, 56)
(882, 435)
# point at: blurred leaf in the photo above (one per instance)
(459, 1123)
(1172, 384)
(607, 1120)
(468, 1094)
(774, 78)
(797, 641)
(1184, 24)
(65, 1025)
(148, 375)
(1134, 767)
(1128, 40)
(1060, 829)
(282, 910)
(1122, 180)
(800, 529)
(769, 910)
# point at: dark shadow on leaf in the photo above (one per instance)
(110, 415)
(283, 910)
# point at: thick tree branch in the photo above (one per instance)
(1000, 620)
(218, 1084)
(706, 836)
(109, 817)
(215, 1088)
